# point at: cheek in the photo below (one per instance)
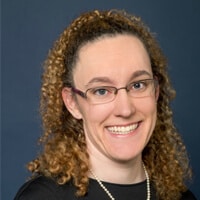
(95, 114)
(94, 117)
(148, 107)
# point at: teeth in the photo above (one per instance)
(122, 129)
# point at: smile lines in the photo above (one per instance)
(123, 129)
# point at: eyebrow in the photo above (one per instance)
(99, 80)
(136, 74)
(140, 73)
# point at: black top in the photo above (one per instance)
(42, 188)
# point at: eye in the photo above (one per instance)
(139, 85)
(100, 91)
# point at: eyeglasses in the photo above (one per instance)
(105, 94)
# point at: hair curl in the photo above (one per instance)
(65, 156)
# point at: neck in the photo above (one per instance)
(121, 172)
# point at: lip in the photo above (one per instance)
(123, 129)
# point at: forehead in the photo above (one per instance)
(112, 57)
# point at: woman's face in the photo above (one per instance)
(114, 61)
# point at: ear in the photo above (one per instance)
(71, 103)
(157, 88)
(157, 92)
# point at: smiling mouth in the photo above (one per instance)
(122, 130)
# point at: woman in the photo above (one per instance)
(108, 130)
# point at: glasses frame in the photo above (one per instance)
(84, 94)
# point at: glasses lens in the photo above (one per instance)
(100, 95)
(105, 94)
(142, 88)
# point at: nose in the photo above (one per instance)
(123, 104)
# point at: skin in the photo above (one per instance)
(114, 61)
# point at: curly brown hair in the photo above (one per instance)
(65, 156)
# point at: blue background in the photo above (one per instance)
(29, 28)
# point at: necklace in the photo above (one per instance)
(110, 195)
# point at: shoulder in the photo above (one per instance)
(43, 188)
(188, 195)
(37, 188)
